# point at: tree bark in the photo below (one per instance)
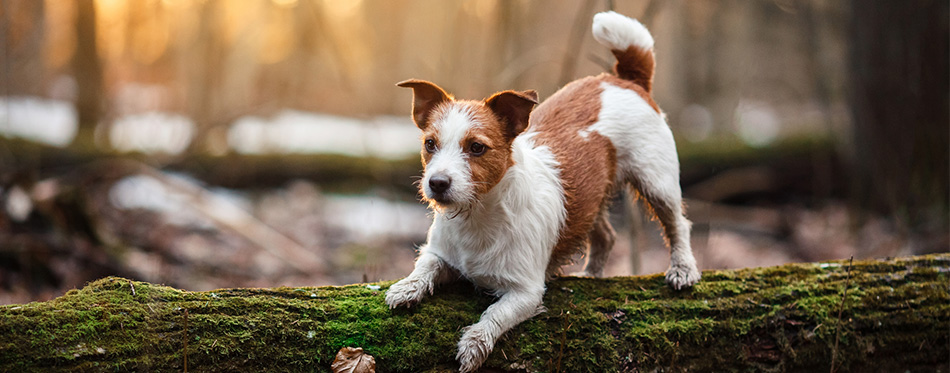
(876, 315)
(900, 68)
(87, 69)
(22, 70)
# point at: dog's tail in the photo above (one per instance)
(631, 43)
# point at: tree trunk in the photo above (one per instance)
(22, 71)
(900, 68)
(88, 71)
(885, 315)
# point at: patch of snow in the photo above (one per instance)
(369, 217)
(152, 132)
(52, 122)
(293, 131)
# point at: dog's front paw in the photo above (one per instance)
(682, 275)
(406, 292)
(474, 348)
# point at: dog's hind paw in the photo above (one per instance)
(473, 348)
(406, 292)
(681, 276)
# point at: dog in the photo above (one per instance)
(517, 191)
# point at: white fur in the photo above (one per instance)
(619, 32)
(450, 159)
(643, 140)
(505, 241)
(646, 157)
(502, 243)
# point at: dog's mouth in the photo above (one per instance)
(443, 196)
(443, 203)
(449, 209)
(442, 200)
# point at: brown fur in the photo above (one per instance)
(426, 97)
(602, 238)
(587, 166)
(636, 65)
(489, 168)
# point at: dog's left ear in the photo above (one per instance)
(514, 108)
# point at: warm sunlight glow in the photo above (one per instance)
(480, 8)
(346, 19)
(342, 9)
(177, 3)
(285, 3)
(149, 38)
(61, 39)
(237, 19)
(111, 18)
(278, 37)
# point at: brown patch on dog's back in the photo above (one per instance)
(587, 165)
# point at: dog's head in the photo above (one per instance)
(466, 145)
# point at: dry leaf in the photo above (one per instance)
(353, 360)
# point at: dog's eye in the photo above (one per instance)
(430, 145)
(477, 148)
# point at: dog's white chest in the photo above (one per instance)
(491, 260)
(507, 240)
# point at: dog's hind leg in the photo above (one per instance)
(602, 238)
(659, 186)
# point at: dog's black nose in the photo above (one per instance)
(439, 184)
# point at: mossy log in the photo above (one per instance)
(878, 315)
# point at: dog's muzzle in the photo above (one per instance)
(439, 186)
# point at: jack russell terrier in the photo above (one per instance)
(517, 193)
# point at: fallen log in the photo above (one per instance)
(875, 315)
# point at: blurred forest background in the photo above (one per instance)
(215, 143)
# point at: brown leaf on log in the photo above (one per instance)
(353, 360)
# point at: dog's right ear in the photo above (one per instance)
(514, 108)
(426, 96)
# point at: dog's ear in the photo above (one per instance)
(425, 97)
(514, 108)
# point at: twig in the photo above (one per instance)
(133, 287)
(653, 7)
(560, 352)
(574, 42)
(185, 349)
(834, 352)
(675, 350)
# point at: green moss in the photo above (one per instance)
(778, 318)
